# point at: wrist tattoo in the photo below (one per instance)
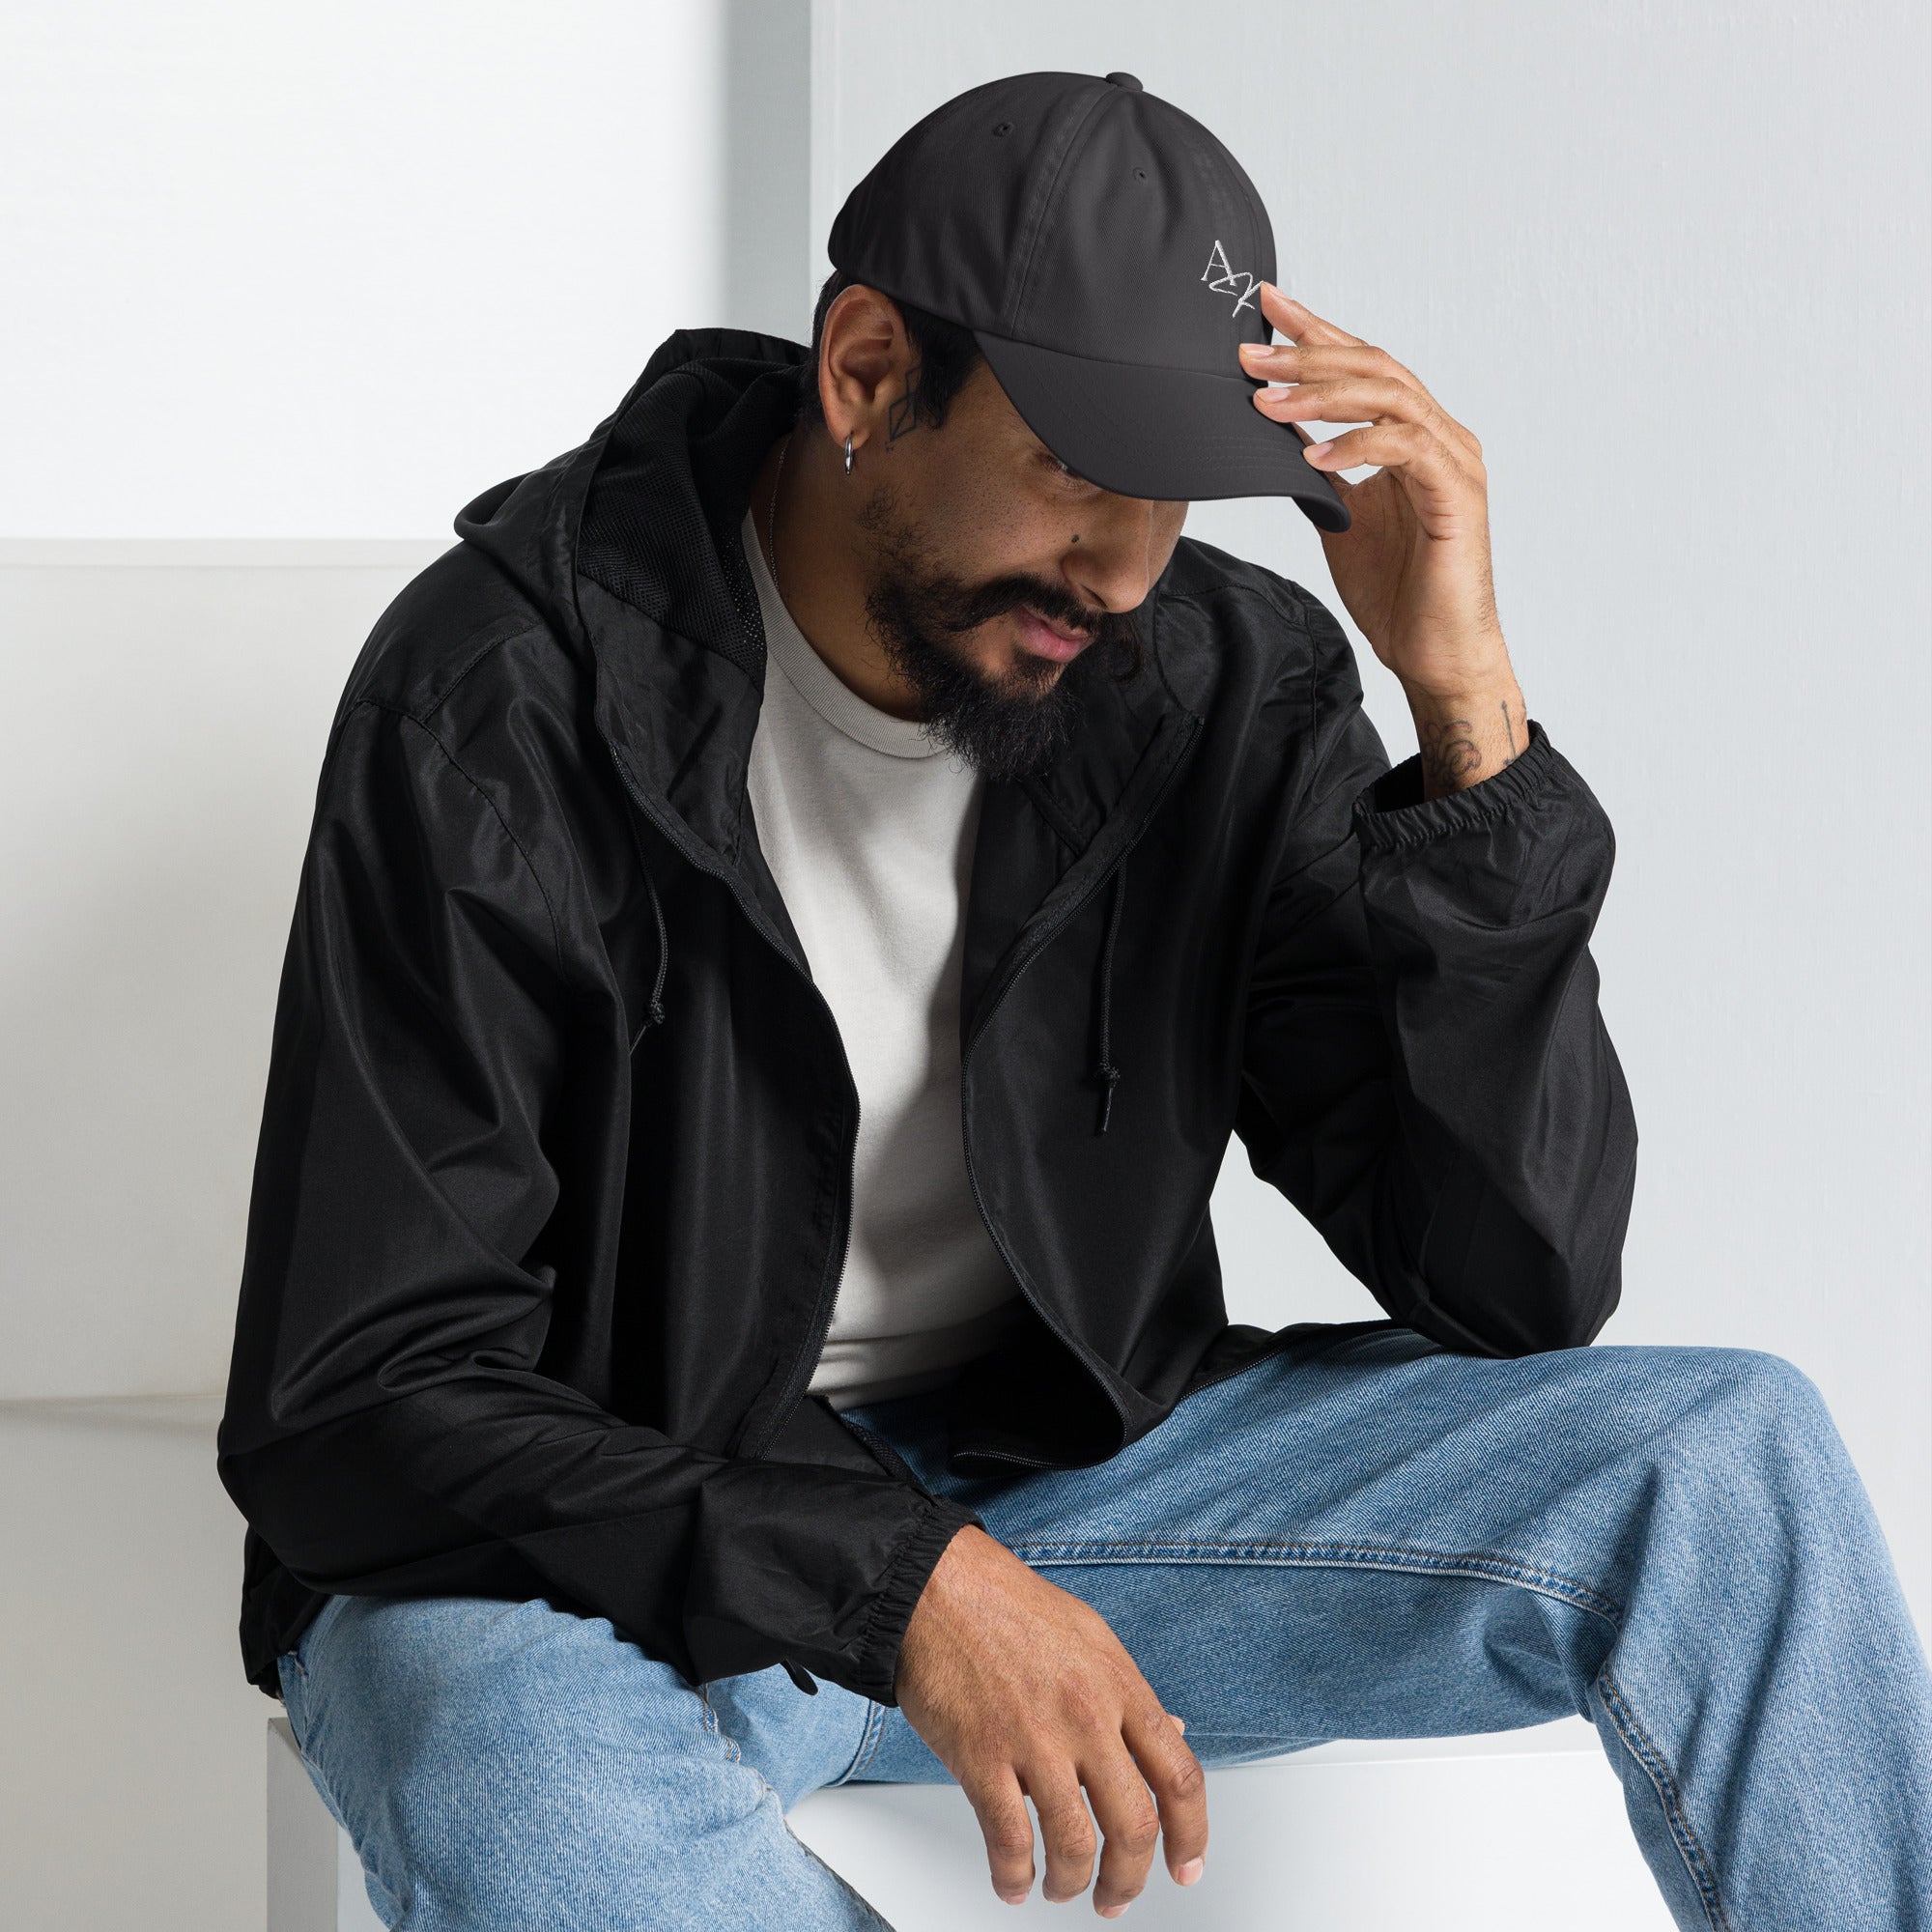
(1449, 754)
(1452, 759)
(902, 418)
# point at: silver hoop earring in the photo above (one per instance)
(848, 456)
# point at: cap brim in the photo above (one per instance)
(1174, 435)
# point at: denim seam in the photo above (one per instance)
(1337, 1555)
(839, 1879)
(301, 1738)
(1637, 1740)
(717, 1731)
(869, 1744)
(334, 1805)
(297, 1731)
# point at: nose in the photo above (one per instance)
(1113, 565)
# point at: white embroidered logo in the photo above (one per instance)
(1227, 281)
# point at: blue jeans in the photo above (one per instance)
(1360, 1536)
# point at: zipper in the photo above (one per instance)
(1025, 959)
(1030, 1461)
(885, 1453)
(828, 1295)
(1241, 1368)
(821, 1319)
(1193, 1388)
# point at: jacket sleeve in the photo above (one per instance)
(1427, 1075)
(390, 1428)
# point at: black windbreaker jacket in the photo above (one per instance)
(553, 1188)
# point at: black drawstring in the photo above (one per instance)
(654, 1013)
(1106, 1070)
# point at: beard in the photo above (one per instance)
(1005, 727)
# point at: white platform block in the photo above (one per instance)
(1512, 1834)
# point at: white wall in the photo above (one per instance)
(328, 270)
(286, 287)
(1670, 263)
(164, 724)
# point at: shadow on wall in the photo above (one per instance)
(769, 252)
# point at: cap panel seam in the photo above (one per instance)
(1258, 214)
(1043, 203)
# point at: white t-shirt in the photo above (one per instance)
(868, 826)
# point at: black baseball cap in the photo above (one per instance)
(1107, 252)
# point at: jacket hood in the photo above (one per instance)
(628, 546)
(649, 506)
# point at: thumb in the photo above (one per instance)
(1342, 484)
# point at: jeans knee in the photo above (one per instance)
(1771, 1394)
(1758, 1422)
(509, 1764)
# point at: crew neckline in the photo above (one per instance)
(815, 681)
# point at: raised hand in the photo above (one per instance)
(1414, 568)
(1024, 1691)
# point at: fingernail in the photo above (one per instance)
(1316, 449)
(1111, 1911)
(1190, 1871)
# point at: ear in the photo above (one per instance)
(864, 355)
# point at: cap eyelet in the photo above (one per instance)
(1004, 127)
(1140, 173)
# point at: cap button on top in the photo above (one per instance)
(1125, 80)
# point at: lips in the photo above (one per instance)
(1049, 640)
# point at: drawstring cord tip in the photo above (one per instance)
(654, 1012)
(1109, 1074)
(654, 1015)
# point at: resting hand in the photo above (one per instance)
(1023, 1692)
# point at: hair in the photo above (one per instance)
(945, 354)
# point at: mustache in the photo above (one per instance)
(968, 607)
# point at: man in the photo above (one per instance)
(799, 900)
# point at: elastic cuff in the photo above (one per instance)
(940, 1520)
(1392, 813)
